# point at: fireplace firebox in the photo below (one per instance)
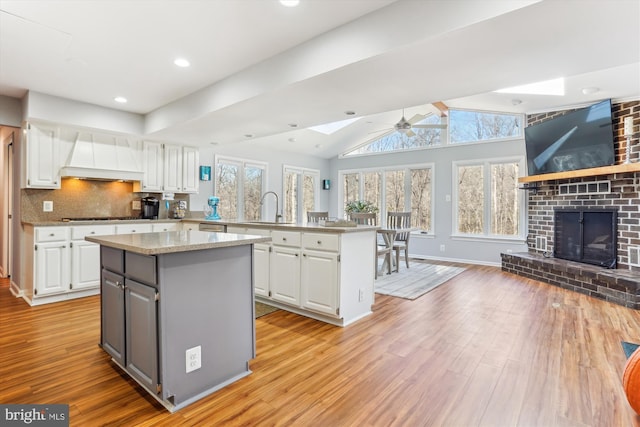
(587, 235)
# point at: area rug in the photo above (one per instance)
(262, 309)
(415, 281)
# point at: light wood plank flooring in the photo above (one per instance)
(486, 349)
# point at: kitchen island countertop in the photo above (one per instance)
(174, 241)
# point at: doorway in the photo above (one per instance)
(6, 203)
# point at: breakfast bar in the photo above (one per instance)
(177, 310)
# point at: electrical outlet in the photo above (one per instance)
(193, 359)
(47, 206)
(441, 248)
(135, 205)
(360, 295)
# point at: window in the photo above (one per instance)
(464, 126)
(299, 181)
(419, 137)
(239, 185)
(394, 190)
(487, 198)
(475, 126)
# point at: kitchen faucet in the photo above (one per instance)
(278, 216)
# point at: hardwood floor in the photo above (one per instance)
(486, 349)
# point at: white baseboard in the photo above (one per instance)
(459, 260)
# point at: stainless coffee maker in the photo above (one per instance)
(150, 207)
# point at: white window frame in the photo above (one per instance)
(301, 172)
(242, 164)
(522, 201)
(383, 199)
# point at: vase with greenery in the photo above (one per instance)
(360, 206)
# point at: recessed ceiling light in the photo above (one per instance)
(289, 3)
(181, 62)
(350, 113)
(292, 140)
(120, 99)
(589, 90)
(248, 135)
(293, 125)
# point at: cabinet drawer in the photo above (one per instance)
(113, 259)
(80, 232)
(321, 241)
(51, 234)
(133, 228)
(237, 229)
(285, 238)
(141, 267)
(165, 226)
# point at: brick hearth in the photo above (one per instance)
(620, 287)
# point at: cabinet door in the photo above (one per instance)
(319, 281)
(52, 268)
(112, 308)
(85, 265)
(285, 274)
(43, 165)
(261, 269)
(141, 336)
(172, 168)
(190, 175)
(153, 164)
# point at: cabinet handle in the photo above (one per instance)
(93, 232)
(51, 235)
(296, 254)
(319, 242)
(284, 239)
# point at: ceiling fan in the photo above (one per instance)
(406, 127)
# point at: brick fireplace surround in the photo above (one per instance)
(621, 285)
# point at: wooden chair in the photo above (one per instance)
(317, 216)
(385, 247)
(400, 220)
(364, 218)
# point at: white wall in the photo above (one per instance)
(10, 111)
(428, 247)
(275, 161)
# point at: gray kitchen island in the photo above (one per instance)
(177, 310)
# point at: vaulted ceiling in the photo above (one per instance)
(261, 69)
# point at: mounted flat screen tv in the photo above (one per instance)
(581, 139)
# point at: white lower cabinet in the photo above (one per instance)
(51, 273)
(319, 281)
(85, 256)
(261, 268)
(285, 274)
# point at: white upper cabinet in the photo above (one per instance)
(153, 164)
(42, 149)
(169, 167)
(172, 168)
(190, 163)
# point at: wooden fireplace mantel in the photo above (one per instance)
(580, 173)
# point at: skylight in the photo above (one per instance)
(330, 128)
(547, 87)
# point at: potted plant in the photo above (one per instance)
(361, 206)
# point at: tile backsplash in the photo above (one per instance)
(86, 198)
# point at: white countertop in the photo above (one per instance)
(289, 226)
(166, 242)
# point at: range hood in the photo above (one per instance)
(103, 157)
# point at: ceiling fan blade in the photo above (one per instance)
(410, 133)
